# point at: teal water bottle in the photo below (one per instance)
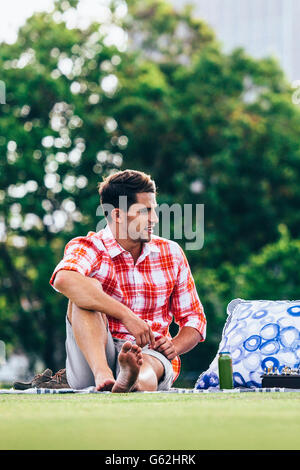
(225, 370)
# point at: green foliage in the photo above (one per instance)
(171, 104)
(273, 273)
(52, 128)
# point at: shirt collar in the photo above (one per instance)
(114, 248)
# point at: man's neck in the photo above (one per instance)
(134, 247)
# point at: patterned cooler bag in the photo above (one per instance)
(259, 334)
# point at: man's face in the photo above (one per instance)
(141, 217)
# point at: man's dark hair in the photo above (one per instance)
(123, 183)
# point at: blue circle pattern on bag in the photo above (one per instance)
(258, 334)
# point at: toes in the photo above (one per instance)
(136, 349)
(107, 385)
(139, 359)
(126, 346)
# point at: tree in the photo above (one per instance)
(272, 273)
(57, 137)
(227, 123)
(211, 128)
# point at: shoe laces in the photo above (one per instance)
(39, 376)
(59, 375)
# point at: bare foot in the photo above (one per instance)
(130, 360)
(104, 382)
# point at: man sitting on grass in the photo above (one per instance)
(124, 286)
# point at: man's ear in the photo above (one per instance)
(118, 215)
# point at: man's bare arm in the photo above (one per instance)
(88, 295)
(186, 339)
(85, 293)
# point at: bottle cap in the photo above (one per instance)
(224, 352)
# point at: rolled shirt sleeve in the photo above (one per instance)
(80, 255)
(185, 304)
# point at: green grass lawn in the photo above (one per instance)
(150, 422)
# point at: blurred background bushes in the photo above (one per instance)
(211, 128)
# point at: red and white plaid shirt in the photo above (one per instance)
(157, 288)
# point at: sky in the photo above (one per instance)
(14, 14)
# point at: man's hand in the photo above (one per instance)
(165, 346)
(139, 329)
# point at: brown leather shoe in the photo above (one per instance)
(59, 380)
(37, 381)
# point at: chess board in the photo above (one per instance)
(287, 378)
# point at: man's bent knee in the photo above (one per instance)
(71, 304)
(75, 310)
